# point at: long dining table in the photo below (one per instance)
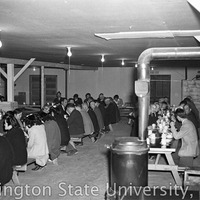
(157, 149)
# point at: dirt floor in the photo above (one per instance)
(82, 176)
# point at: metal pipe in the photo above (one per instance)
(142, 85)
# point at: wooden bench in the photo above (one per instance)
(192, 178)
(20, 168)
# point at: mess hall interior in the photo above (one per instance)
(110, 90)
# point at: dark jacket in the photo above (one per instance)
(18, 142)
(64, 130)
(6, 164)
(94, 120)
(75, 123)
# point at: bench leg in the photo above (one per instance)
(15, 178)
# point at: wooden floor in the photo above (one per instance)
(82, 176)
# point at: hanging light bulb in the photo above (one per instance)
(123, 62)
(136, 65)
(69, 53)
(102, 58)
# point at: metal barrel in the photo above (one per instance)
(128, 164)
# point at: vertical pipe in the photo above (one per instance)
(10, 82)
(42, 86)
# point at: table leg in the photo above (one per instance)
(157, 159)
(174, 170)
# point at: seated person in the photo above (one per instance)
(153, 115)
(98, 115)
(75, 121)
(118, 101)
(188, 135)
(15, 136)
(53, 137)
(6, 164)
(37, 145)
(62, 124)
(191, 116)
(88, 125)
(62, 107)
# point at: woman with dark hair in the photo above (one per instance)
(188, 135)
(37, 144)
(16, 137)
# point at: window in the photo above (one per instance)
(50, 88)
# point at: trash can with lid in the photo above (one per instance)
(128, 164)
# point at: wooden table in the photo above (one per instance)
(158, 150)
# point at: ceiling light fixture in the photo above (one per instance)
(102, 61)
(69, 54)
(123, 63)
(102, 58)
(136, 65)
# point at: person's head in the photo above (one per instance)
(58, 94)
(70, 107)
(107, 101)
(31, 120)
(157, 106)
(9, 120)
(180, 114)
(18, 113)
(116, 97)
(87, 95)
(152, 108)
(70, 100)
(164, 105)
(46, 108)
(187, 109)
(85, 106)
(92, 105)
(64, 102)
(182, 103)
(101, 96)
(78, 106)
(75, 96)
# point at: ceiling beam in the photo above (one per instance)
(148, 34)
(23, 69)
(46, 64)
(195, 4)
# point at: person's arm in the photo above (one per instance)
(179, 134)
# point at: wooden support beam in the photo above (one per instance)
(42, 86)
(10, 82)
(46, 64)
(3, 72)
(23, 69)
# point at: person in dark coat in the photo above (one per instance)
(75, 121)
(6, 164)
(63, 125)
(62, 107)
(53, 137)
(16, 137)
